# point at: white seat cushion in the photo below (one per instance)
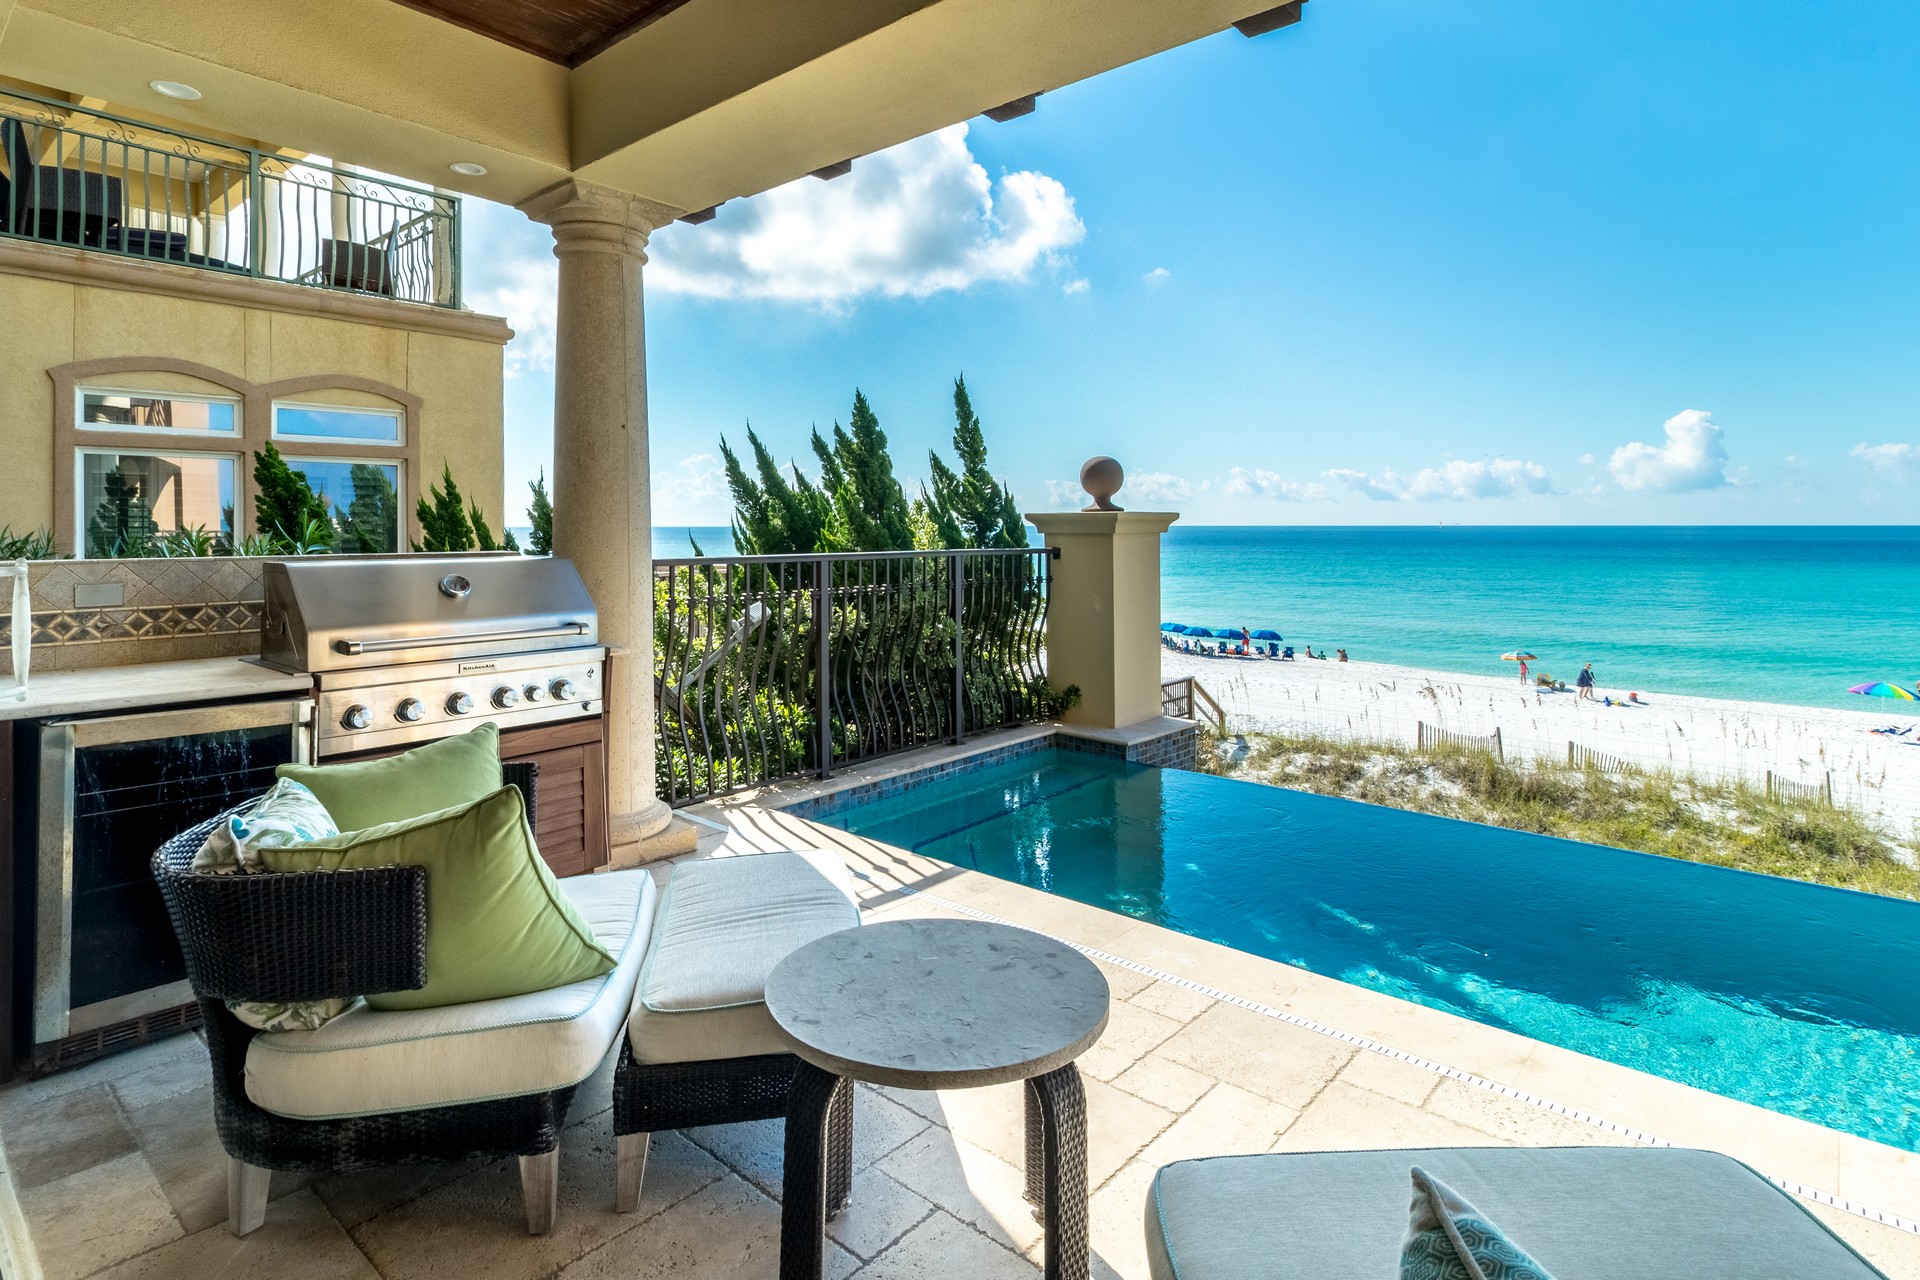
(724, 923)
(366, 1062)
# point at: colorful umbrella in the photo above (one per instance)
(1265, 634)
(1881, 689)
(1519, 655)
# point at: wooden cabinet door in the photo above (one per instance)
(570, 810)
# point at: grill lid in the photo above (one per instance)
(326, 613)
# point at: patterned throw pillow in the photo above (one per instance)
(287, 814)
(1449, 1239)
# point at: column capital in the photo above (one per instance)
(586, 217)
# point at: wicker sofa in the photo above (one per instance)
(476, 1081)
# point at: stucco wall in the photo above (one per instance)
(255, 331)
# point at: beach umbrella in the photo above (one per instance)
(1266, 634)
(1199, 631)
(1519, 655)
(1881, 689)
(1172, 626)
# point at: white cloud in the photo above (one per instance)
(1160, 486)
(913, 220)
(1456, 481)
(1079, 285)
(1586, 459)
(693, 478)
(1157, 276)
(1892, 458)
(1694, 457)
(1066, 495)
(1250, 482)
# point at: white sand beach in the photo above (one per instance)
(1710, 737)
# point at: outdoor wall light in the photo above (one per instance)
(468, 169)
(174, 89)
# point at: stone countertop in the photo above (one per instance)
(147, 684)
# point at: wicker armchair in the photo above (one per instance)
(273, 938)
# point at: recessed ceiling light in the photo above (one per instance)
(174, 89)
(467, 168)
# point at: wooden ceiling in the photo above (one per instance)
(564, 31)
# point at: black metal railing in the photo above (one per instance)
(90, 179)
(770, 667)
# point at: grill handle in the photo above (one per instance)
(386, 644)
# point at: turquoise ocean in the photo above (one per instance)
(1789, 614)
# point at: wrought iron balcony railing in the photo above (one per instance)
(106, 183)
(769, 667)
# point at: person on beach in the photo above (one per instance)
(1246, 640)
(1342, 654)
(1523, 671)
(1585, 682)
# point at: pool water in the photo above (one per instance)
(1796, 997)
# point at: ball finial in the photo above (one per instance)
(1102, 478)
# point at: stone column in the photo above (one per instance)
(602, 512)
(1103, 620)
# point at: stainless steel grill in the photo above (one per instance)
(405, 650)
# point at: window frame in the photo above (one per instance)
(81, 452)
(398, 414)
(84, 428)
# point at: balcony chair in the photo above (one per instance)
(1584, 1213)
(700, 1047)
(483, 1080)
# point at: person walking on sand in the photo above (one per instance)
(1585, 682)
(1523, 671)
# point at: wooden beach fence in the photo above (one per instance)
(1430, 738)
(1820, 793)
(1579, 757)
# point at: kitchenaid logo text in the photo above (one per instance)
(474, 668)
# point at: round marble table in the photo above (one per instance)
(940, 1004)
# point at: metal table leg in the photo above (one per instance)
(1062, 1105)
(803, 1200)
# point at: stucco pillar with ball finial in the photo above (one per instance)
(1103, 617)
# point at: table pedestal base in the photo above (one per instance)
(1056, 1124)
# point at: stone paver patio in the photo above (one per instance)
(115, 1170)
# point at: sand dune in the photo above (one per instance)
(1710, 737)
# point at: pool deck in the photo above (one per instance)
(114, 1170)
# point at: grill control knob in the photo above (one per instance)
(356, 717)
(562, 690)
(534, 693)
(459, 704)
(410, 710)
(506, 696)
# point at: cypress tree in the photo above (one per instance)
(285, 506)
(371, 523)
(540, 516)
(771, 515)
(442, 514)
(870, 510)
(970, 507)
(122, 524)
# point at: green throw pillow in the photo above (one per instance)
(497, 923)
(453, 771)
(1449, 1239)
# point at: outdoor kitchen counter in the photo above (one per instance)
(148, 684)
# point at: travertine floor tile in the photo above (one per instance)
(1132, 1033)
(1182, 1004)
(757, 1150)
(475, 1229)
(97, 1217)
(183, 1150)
(1227, 1121)
(66, 1134)
(1284, 1063)
(301, 1241)
(354, 1198)
(944, 1248)
(1893, 1251)
(1512, 1121)
(1397, 1080)
(881, 1212)
(1122, 983)
(972, 1184)
(724, 1231)
(172, 1065)
(1164, 1083)
(1347, 1118)
(1117, 1214)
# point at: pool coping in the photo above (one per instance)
(1866, 1180)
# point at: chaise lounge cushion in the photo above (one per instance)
(369, 1062)
(1587, 1213)
(724, 923)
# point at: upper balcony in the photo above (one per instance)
(87, 178)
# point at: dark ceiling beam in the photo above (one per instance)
(699, 216)
(1272, 20)
(1011, 110)
(828, 172)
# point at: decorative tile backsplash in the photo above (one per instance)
(107, 613)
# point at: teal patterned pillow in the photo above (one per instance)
(1449, 1239)
(287, 814)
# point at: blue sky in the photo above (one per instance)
(1490, 261)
